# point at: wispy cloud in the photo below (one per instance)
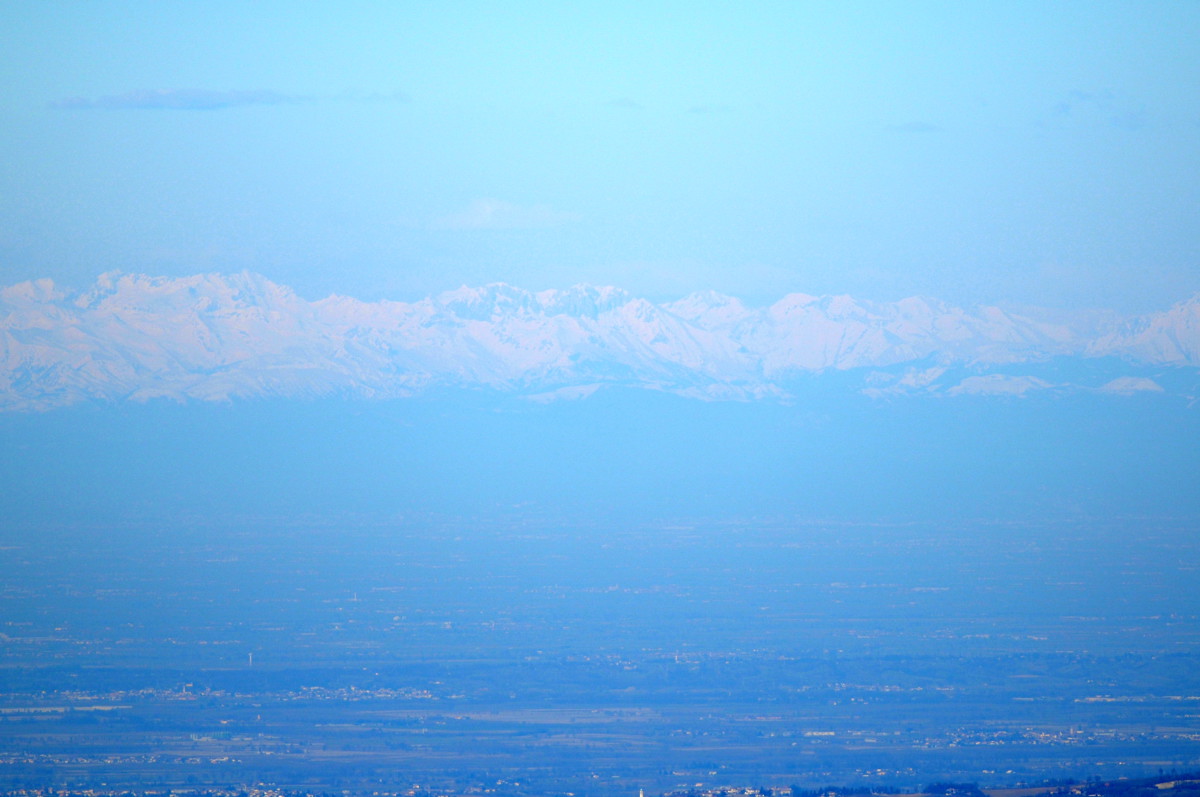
(178, 100)
(495, 214)
(1076, 99)
(1104, 105)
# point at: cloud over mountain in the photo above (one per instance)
(495, 214)
(215, 337)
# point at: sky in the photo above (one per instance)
(1017, 153)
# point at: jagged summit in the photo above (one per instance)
(583, 300)
(216, 337)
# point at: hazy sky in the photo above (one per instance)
(1040, 152)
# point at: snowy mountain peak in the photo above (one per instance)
(708, 309)
(492, 300)
(583, 301)
(31, 291)
(117, 291)
(792, 304)
(842, 306)
(1172, 337)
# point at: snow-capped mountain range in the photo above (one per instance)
(219, 337)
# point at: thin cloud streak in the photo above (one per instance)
(178, 100)
(1105, 106)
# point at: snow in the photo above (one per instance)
(1128, 385)
(213, 337)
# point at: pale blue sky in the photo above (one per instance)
(1042, 153)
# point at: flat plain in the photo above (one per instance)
(572, 657)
